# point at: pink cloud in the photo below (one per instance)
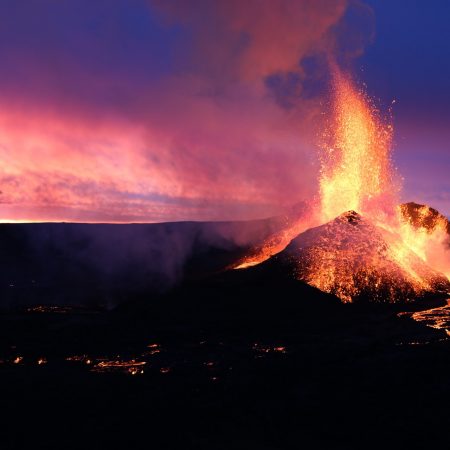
(206, 141)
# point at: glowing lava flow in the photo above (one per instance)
(277, 241)
(438, 318)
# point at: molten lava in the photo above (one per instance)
(438, 318)
(367, 247)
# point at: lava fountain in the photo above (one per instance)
(361, 244)
(356, 170)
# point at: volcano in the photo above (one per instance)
(356, 242)
(356, 260)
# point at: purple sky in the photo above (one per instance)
(119, 110)
(409, 61)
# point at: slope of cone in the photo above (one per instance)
(356, 260)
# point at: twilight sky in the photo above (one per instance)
(409, 60)
(151, 110)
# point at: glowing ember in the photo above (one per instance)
(154, 349)
(280, 349)
(261, 348)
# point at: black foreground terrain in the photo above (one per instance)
(242, 360)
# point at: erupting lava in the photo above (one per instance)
(356, 171)
(367, 246)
